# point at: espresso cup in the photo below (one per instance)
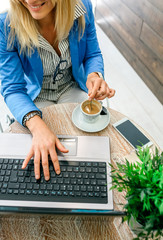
(91, 110)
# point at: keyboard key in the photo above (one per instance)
(65, 193)
(88, 170)
(4, 167)
(88, 164)
(69, 169)
(13, 185)
(49, 187)
(15, 167)
(60, 181)
(1, 160)
(5, 185)
(23, 186)
(69, 188)
(53, 193)
(6, 161)
(90, 194)
(59, 193)
(65, 175)
(102, 164)
(76, 169)
(76, 188)
(83, 188)
(72, 175)
(16, 191)
(82, 164)
(40, 192)
(10, 191)
(101, 182)
(95, 164)
(78, 194)
(84, 194)
(102, 170)
(78, 175)
(89, 188)
(63, 187)
(82, 169)
(100, 176)
(85, 175)
(36, 186)
(28, 192)
(96, 194)
(6, 179)
(3, 191)
(1, 178)
(46, 193)
(56, 187)
(22, 191)
(103, 194)
(86, 181)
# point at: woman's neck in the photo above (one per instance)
(46, 22)
(47, 30)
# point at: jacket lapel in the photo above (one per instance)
(36, 65)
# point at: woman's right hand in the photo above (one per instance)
(44, 143)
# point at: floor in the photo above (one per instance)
(133, 98)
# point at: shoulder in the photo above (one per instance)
(3, 17)
(88, 5)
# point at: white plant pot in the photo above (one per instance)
(135, 226)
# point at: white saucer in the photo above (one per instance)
(100, 124)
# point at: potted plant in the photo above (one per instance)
(142, 182)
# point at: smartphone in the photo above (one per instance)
(131, 133)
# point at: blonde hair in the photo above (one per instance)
(26, 29)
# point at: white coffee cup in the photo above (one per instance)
(91, 110)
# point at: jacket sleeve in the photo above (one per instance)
(93, 60)
(13, 84)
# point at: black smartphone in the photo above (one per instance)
(131, 133)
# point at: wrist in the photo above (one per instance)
(29, 116)
(34, 124)
(95, 74)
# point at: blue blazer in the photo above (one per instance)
(22, 75)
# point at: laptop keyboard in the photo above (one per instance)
(81, 182)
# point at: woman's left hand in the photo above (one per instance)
(98, 88)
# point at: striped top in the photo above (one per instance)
(53, 64)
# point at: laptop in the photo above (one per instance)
(81, 188)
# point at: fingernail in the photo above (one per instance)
(46, 178)
(23, 165)
(37, 176)
(58, 172)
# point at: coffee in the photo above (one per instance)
(91, 108)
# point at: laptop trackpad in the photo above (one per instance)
(69, 143)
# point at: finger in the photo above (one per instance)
(45, 164)
(55, 161)
(102, 97)
(102, 91)
(37, 165)
(89, 85)
(27, 159)
(60, 146)
(111, 93)
(95, 89)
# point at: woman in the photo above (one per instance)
(49, 53)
